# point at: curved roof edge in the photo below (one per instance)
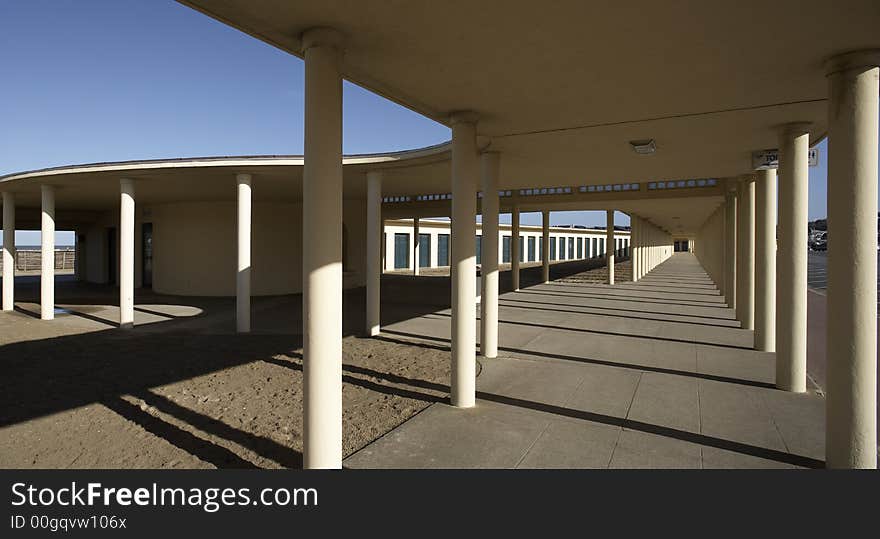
(221, 161)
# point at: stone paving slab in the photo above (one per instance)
(579, 389)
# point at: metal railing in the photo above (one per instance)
(32, 259)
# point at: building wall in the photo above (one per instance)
(95, 249)
(96, 266)
(194, 248)
(436, 228)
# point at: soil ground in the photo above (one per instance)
(182, 390)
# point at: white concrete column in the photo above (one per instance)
(8, 251)
(415, 248)
(545, 246)
(609, 244)
(243, 275)
(374, 251)
(463, 264)
(47, 242)
(79, 256)
(126, 253)
(643, 247)
(791, 276)
(636, 224)
(514, 248)
(730, 247)
(322, 250)
(745, 250)
(490, 165)
(633, 245)
(765, 261)
(851, 400)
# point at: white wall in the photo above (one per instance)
(436, 228)
(194, 249)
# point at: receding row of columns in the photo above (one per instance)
(764, 274)
(47, 252)
(852, 211)
(761, 273)
(650, 245)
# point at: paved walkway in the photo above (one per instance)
(654, 374)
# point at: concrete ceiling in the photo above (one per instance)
(95, 187)
(82, 192)
(563, 86)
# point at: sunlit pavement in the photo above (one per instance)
(655, 374)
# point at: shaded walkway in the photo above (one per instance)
(649, 374)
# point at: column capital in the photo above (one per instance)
(464, 117)
(243, 178)
(766, 173)
(865, 59)
(794, 129)
(321, 37)
(47, 188)
(730, 185)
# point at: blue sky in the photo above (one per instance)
(106, 80)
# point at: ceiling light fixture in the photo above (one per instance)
(643, 147)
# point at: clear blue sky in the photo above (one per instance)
(106, 80)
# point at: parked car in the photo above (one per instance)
(819, 242)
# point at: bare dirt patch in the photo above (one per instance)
(114, 399)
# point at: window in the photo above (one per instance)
(571, 247)
(552, 248)
(505, 250)
(401, 251)
(522, 249)
(479, 249)
(562, 248)
(424, 250)
(541, 248)
(442, 249)
(580, 248)
(595, 249)
(601, 246)
(531, 248)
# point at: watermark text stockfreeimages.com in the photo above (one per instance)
(209, 499)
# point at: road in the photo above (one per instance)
(817, 317)
(817, 272)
